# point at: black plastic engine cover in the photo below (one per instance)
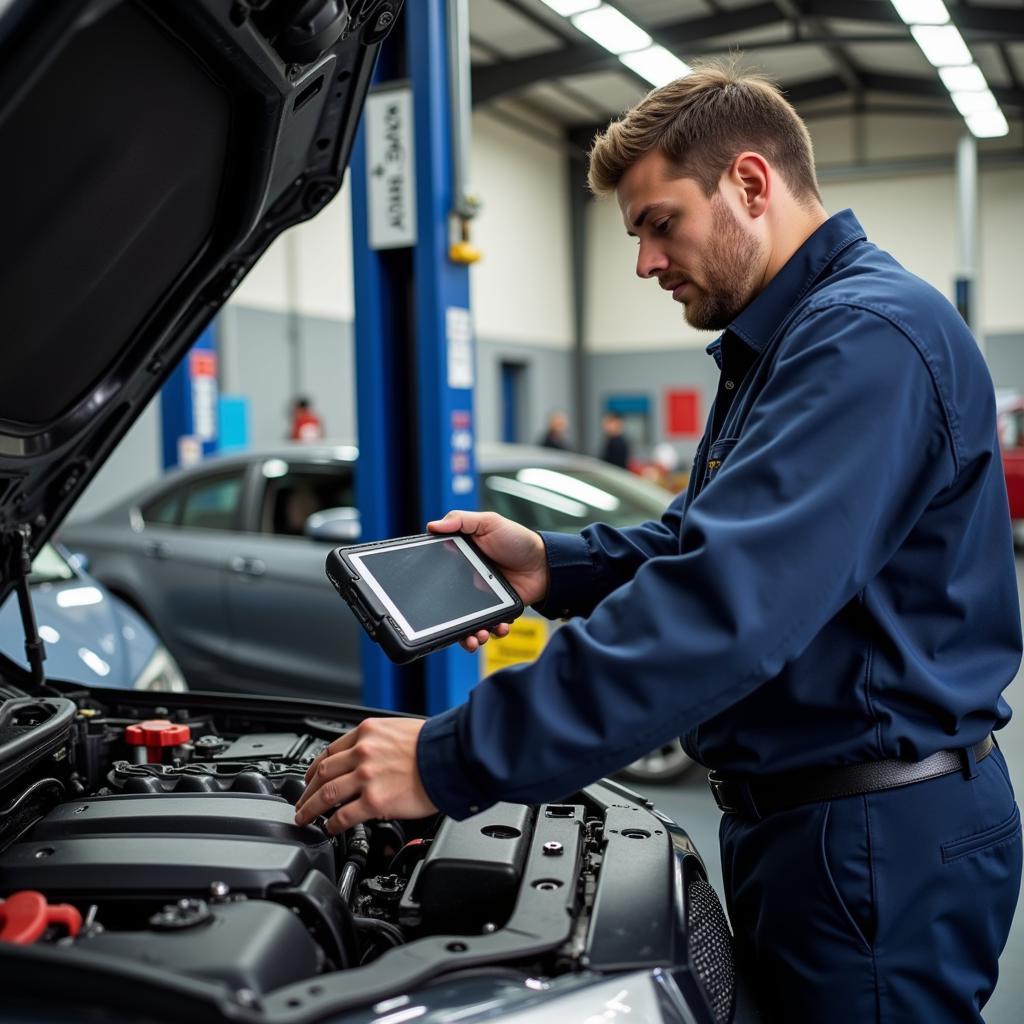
(164, 846)
(470, 876)
(250, 945)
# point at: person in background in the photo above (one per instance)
(306, 424)
(556, 435)
(616, 445)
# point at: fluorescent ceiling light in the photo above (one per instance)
(974, 102)
(988, 124)
(566, 8)
(657, 65)
(614, 31)
(921, 12)
(942, 44)
(968, 79)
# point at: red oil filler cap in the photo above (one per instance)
(25, 915)
(156, 735)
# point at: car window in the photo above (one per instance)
(212, 503)
(564, 500)
(49, 566)
(293, 493)
(164, 511)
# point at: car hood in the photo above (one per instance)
(160, 148)
(90, 636)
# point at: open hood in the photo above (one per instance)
(151, 152)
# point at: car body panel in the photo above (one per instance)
(252, 611)
(91, 637)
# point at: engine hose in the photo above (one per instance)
(358, 847)
(372, 930)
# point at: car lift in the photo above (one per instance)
(415, 363)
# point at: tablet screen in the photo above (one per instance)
(431, 585)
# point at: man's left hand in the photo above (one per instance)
(370, 772)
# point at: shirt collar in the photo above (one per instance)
(759, 321)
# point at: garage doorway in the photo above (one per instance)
(513, 401)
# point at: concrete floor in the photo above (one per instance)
(689, 803)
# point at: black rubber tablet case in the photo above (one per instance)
(382, 628)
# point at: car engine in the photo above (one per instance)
(163, 838)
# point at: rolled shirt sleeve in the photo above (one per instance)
(844, 449)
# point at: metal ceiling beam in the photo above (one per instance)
(978, 18)
(494, 80)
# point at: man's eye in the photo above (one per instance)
(662, 226)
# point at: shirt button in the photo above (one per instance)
(729, 385)
(474, 809)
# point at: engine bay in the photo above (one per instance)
(157, 845)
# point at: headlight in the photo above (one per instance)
(161, 673)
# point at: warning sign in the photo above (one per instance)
(525, 641)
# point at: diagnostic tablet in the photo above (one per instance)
(414, 595)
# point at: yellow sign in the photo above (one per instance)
(524, 642)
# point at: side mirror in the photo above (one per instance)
(335, 525)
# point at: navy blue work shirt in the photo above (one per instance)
(837, 585)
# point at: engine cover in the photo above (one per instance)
(165, 846)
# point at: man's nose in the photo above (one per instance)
(649, 261)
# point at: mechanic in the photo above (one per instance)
(828, 616)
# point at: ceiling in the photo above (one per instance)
(830, 56)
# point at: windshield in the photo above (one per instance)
(565, 499)
(50, 566)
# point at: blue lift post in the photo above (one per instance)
(188, 404)
(414, 354)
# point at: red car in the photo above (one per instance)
(1011, 439)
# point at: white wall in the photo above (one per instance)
(522, 288)
(913, 217)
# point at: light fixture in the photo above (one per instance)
(566, 8)
(974, 102)
(942, 45)
(988, 124)
(922, 12)
(612, 30)
(658, 65)
(965, 79)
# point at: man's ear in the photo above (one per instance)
(751, 177)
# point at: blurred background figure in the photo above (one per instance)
(306, 424)
(556, 436)
(616, 446)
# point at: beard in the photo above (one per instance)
(731, 269)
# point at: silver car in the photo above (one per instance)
(226, 560)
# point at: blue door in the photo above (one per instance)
(511, 401)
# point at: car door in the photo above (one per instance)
(181, 558)
(290, 632)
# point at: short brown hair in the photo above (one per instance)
(702, 123)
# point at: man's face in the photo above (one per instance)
(696, 247)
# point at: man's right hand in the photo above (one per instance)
(518, 552)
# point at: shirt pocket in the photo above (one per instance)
(716, 457)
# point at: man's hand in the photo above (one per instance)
(518, 552)
(371, 772)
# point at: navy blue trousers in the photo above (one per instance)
(888, 907)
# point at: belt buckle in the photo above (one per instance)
(717, 786)
(720, 790)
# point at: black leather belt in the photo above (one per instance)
(757, 797)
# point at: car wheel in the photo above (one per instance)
(665, 764)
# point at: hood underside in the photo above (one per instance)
(152, 152)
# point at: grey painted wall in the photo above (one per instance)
(546, 383)
(256, 361)
(259, 362)
(650, 373)
(1005, 355)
